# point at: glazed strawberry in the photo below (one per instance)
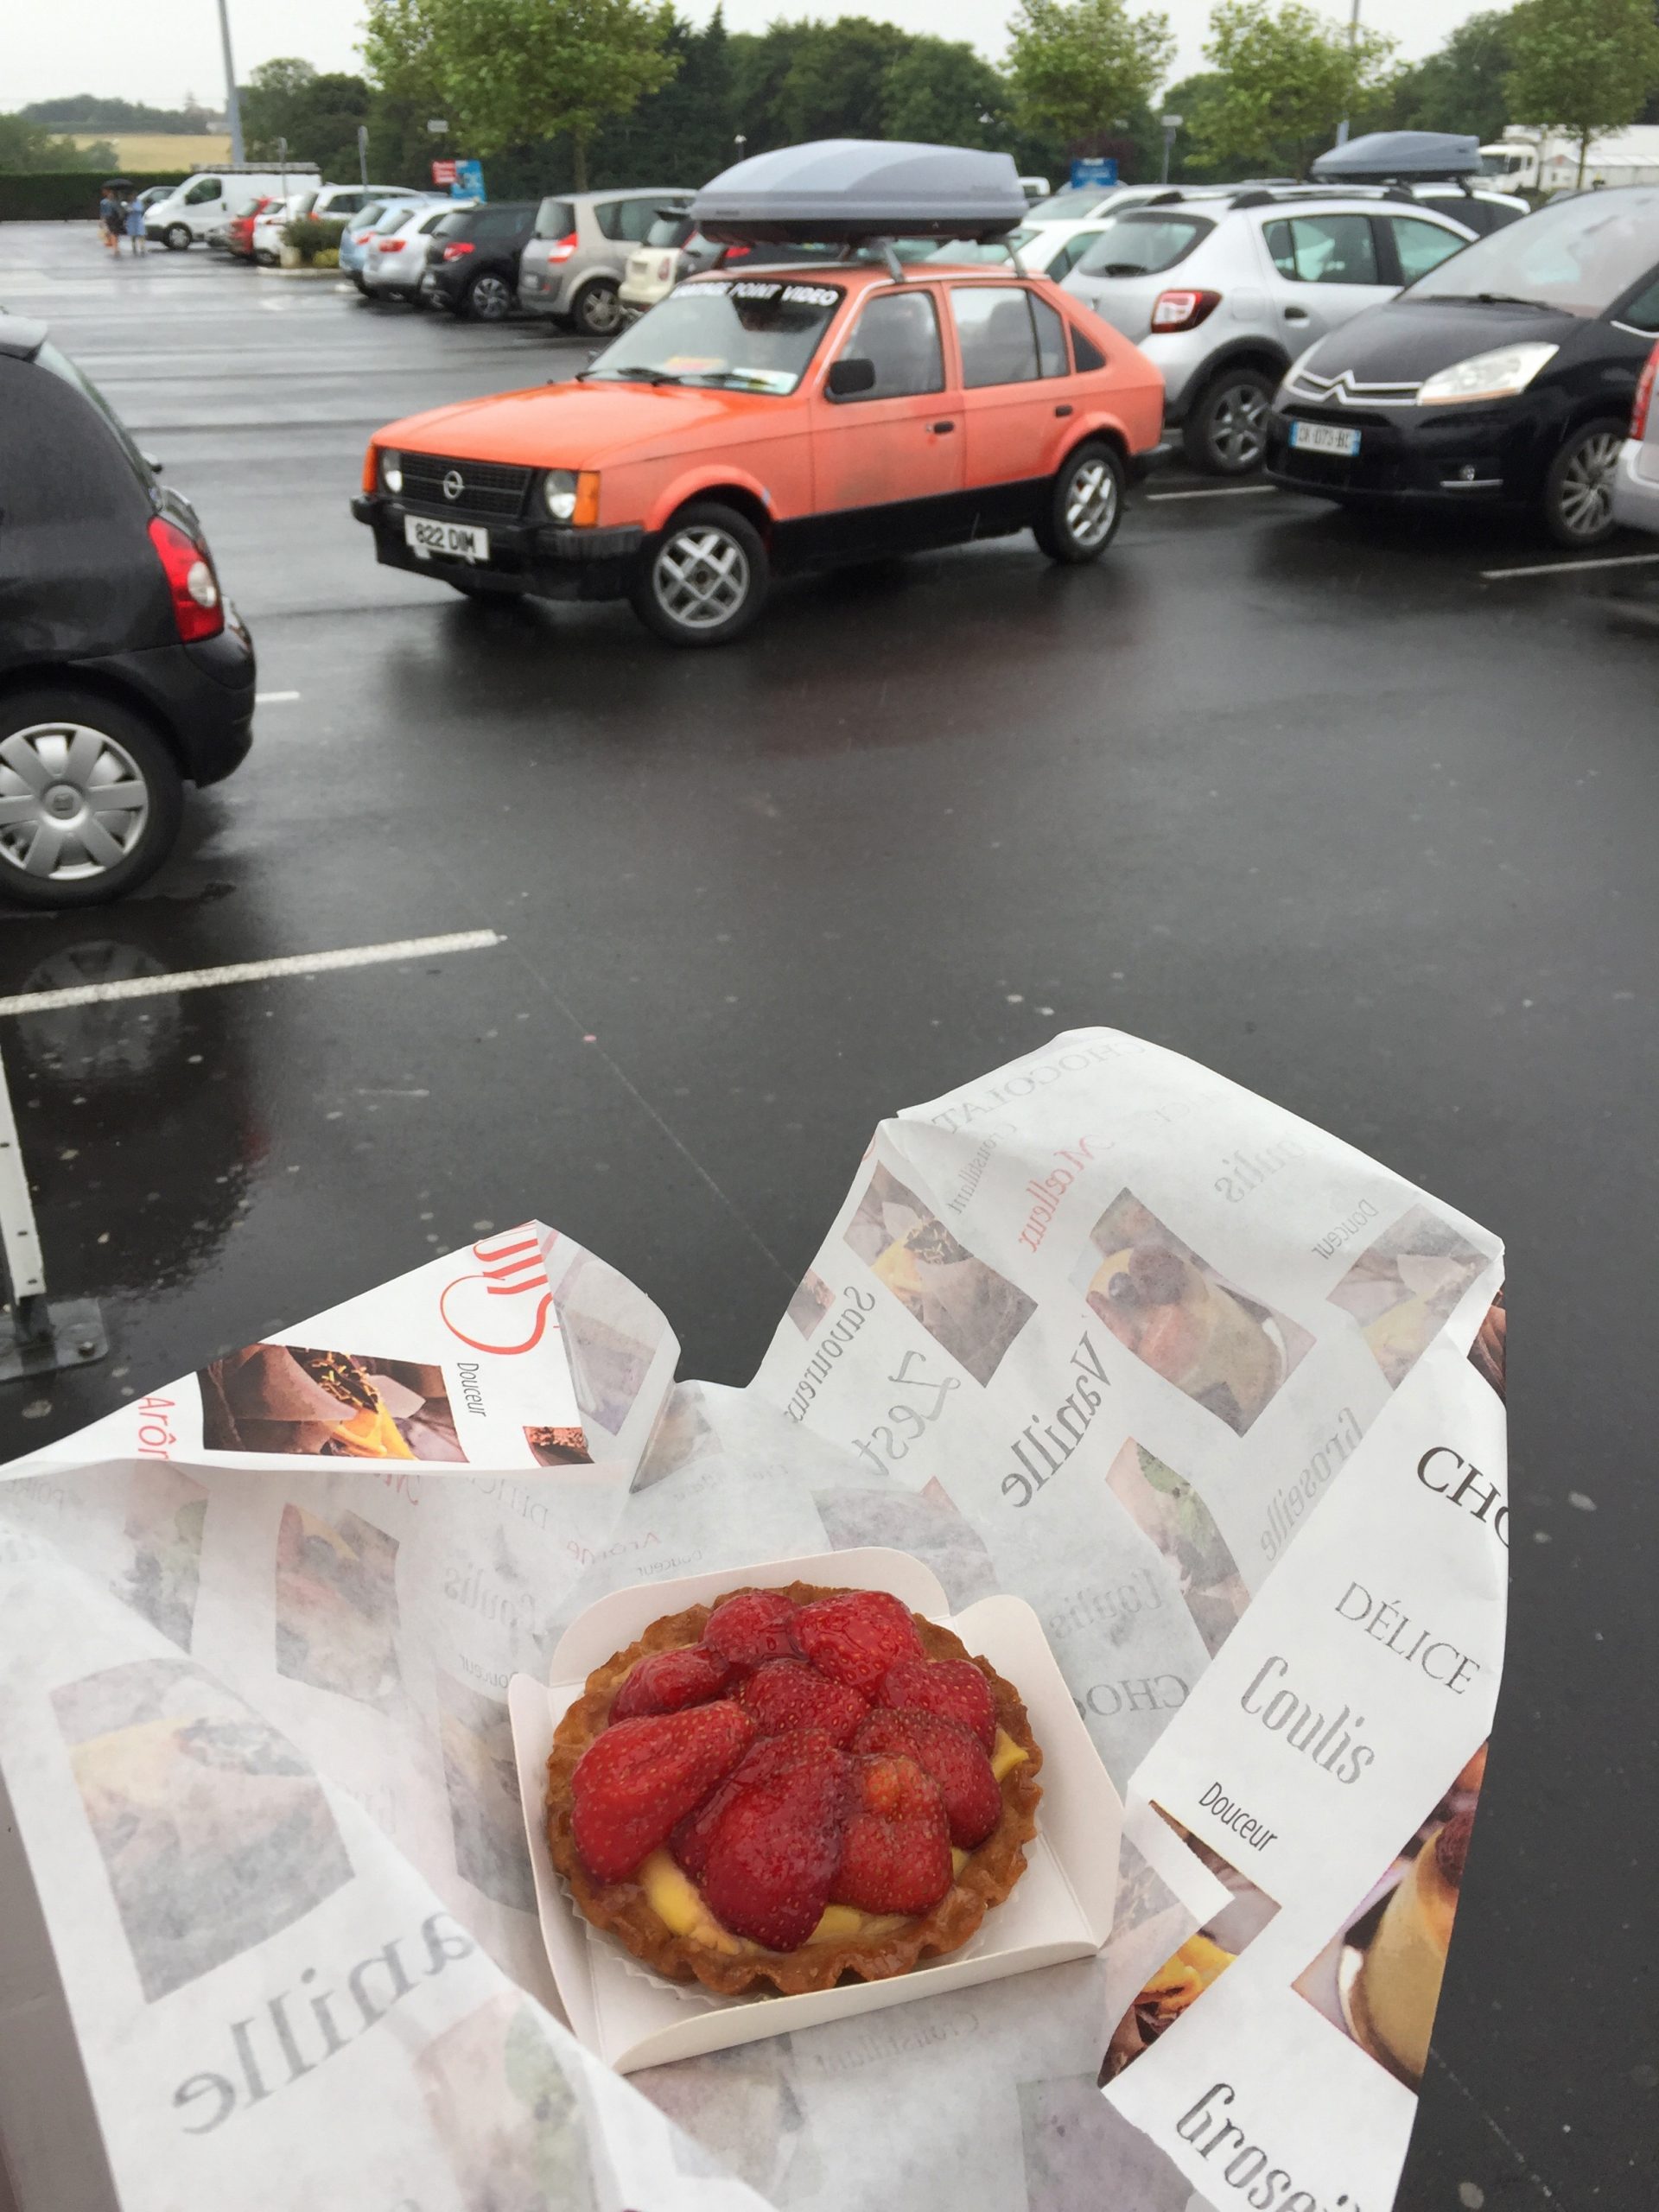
(897, 1855)
(787, 1695)
(636, 1781)
(753, 1627)
(972, 1794)
(761, 1764)
(669, 1679)
(777, 1844)
(953, 1689)
(856, 1635)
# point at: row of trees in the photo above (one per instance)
(560, 92)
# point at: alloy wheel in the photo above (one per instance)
(73, 802)
(701, 577)
(491, 299)
(1091, 502)
(1585, 498)
(598, 310)
(1237, 426)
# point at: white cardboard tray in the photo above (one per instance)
(1061, 1908)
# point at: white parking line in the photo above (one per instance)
(1566, 568)
(251, 971)
(1216, 491)
(273, 698)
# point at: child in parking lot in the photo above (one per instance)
(136, 238)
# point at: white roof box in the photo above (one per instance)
(842, 190)
(1382, 154)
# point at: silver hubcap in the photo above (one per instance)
(701, 577)
(73, 802)
(601, 309)
(490, 298)
(1236, 427)
(1588, 485)
(1090, 502)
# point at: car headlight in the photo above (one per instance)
(1496, 375)
(392, 473)
(1293, 372)
(559, 490)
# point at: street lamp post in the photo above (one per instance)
(1353, 40)
(1169, 124)
(232, 105)
(741, 144)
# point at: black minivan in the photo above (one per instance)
(123, 672)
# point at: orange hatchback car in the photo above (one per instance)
(753, 425)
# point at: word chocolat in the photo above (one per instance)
(1474, 1492)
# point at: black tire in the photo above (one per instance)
(488, 298)
(1577, 499)
(358, 280)
(1225, 433)
(37, 730)
(596, 311)
(703, 541)
(1085, 506)
(176, 236)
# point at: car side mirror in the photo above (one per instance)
(849, 376)
(153, 464)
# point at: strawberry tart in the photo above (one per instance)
(790, 1786)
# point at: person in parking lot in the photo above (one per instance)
(109, 220)
(135, 227)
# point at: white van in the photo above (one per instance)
(206, 201)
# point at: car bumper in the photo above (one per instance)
(1636, 487)
(441, 287)
(203, 694)
(550, 560)
(541, 292)
(1457, 457)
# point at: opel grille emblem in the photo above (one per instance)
(454, 484)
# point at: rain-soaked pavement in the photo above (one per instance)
(1313, 801)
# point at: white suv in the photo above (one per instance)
(1223, 289)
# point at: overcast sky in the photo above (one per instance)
(159, 50)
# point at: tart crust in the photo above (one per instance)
(623, 1907)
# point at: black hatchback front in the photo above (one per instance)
(1502, 378)
(472, 266)
(123, 672)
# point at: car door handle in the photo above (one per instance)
(1064, 410)
(940, 428)
(1295, 315)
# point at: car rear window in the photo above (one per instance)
(555, 218)
(1143, 243)
(628, 221)
(670, 230)
(1068, 206)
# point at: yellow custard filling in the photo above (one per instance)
(677, 1902)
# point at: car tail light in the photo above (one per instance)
(735, 253)
(361, 237)
(562, 249)
(391, 245)
(1644, 397)
(454, 252)
(1183, 310)
(198, 611)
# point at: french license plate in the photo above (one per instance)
(456, 541)
(1324, 437)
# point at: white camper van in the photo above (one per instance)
(206, 202)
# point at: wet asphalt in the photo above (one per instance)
(1306, 798)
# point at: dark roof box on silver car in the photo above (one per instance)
(1380, 155)
(839, 190)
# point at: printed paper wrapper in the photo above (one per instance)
(1214, 1395)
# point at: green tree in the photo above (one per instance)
(317, 112)
(942, 92)
(1461, 87)
(1288, 78)
(1582, 66)
(1080, 67)
(508, 71)
(26, 147)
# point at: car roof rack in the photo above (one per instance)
(862, 192)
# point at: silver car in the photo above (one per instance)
(396, 253)
(573, 267)
(1224, 288)
(1636, 486)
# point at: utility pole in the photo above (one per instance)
(363, 154)
(232, 105)
(1353, 41)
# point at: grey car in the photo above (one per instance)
(397, 249)
(1224, 288)
(1636, 484)
(573, 267)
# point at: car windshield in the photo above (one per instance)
(1143, 244)
(670, 230)
(749, 334)
(1070, 206)
(1575, 256)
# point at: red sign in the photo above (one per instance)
(444, 172)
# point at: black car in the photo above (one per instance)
(123, 672)
(1503, 378)
(473, 265)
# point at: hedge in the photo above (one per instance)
(68, 195)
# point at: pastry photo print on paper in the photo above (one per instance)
(481, 1777)
(166, 1510)
(322, 1404)
(214, 1831)
(1169, 1510)
(1403, 1288)
(970, 1310)
(1224, 1350)
(337, 1607)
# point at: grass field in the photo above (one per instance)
(160, 149)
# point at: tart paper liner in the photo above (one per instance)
(622, 1909)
